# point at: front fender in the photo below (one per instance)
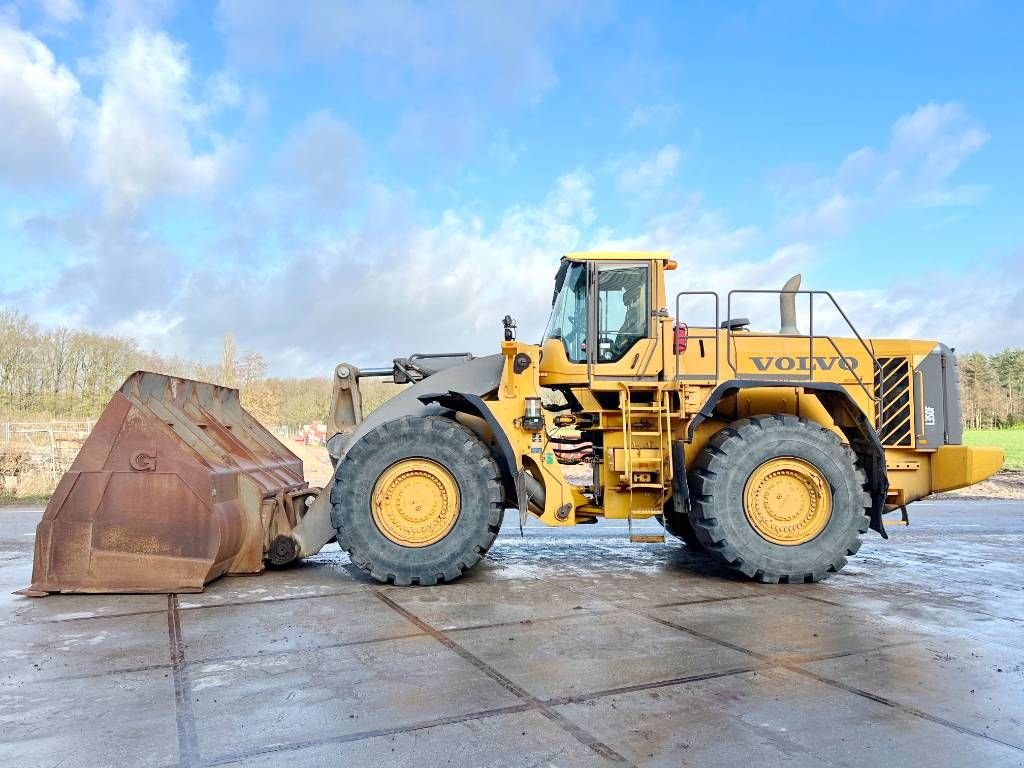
(479, 377)
(474, 405)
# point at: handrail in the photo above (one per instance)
(730, 349)
(713, 335)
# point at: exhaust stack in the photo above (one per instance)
(787, 305)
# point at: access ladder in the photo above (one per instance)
(646, 434)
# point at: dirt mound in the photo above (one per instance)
(1008, 484)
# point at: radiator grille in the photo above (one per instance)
(893, 387)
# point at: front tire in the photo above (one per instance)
(417, 500)
(779, 499)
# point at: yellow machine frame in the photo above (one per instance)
(655, 397)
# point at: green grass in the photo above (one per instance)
(29, 500)
(1010, 440)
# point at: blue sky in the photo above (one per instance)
(358, 181)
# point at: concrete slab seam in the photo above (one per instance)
(903, 707)
(346, 738)
(534, 622)
(291, 651)
(698, 602)
(573, 729)
(126, 615)
(105, 673)
(455, 719)
(594, 695)
(792, 667)
(355, 589)
(188, 741)
(907, 622)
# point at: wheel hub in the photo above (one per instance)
(787, 501)
(415, 502)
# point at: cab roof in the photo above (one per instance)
(619, 256)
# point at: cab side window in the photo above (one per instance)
(569, 312)
(623, 309)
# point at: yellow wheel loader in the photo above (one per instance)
(772, 451)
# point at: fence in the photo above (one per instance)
(34, 455)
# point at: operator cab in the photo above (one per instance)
(602, 317)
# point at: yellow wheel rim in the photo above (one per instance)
(415, 502)
(787, 501)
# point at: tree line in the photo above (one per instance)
(992, 389)
(69, 374)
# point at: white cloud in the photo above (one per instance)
(122, 17)
(926, 148)
(384, 286)
(325, 157)
(62, 11)
(41, 108)
(143, 137)
(148, 135)
(974, 311)
(832, 216)
(503, 46)
(696, 236)
(368, 296)
(223, 91)
(657, 115)
(638, 175)
(713, 255)
(391, 283)
(504, 152)
(449, 67)
(448, 128)
(387, 280)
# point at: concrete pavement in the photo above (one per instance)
(568, 648)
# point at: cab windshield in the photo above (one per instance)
(568, 321)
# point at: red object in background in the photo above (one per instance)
(312, 434)
(682, 332)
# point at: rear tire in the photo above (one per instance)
(465, 461)
(720, 499)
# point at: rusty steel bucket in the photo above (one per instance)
(176, 485)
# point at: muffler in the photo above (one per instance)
(787, 306)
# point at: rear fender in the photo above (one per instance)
(850, 419)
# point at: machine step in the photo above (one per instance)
(647, 538)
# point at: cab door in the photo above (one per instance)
(620, 332)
